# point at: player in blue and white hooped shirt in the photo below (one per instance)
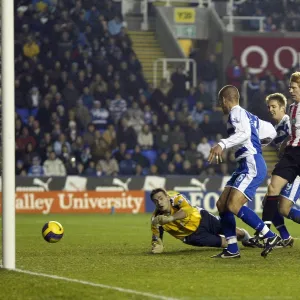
(245, 132)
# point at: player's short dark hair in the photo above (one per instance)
(158, 190)
(280, 98)
(230, 92)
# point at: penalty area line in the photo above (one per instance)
(93, 284)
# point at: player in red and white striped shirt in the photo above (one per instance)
(288, 168)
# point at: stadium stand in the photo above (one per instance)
(83, 106)
(280, 15)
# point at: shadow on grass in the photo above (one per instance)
(176, 252)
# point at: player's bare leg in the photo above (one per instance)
(235, 206)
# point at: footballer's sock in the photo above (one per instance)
(294, 215)
(278, 222)
(254, 221)
(229, 229)
(270, 209)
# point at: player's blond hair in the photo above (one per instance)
(295, 77)
(280, 98)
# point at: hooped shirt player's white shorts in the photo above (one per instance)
(291, 191)
(249, 175)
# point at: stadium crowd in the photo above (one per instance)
(84, 108)
(279, 15)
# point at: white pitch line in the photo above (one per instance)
(104, 286)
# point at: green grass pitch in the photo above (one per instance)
(113, 250)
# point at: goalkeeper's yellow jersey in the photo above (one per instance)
(179, 228)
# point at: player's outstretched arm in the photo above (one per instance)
(242, 131)
(162, 219)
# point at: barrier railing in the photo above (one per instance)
(231, 24)
(167, 74)
(127, 5)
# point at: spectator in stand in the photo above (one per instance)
(110, 136)
(179, 80)
(90, 170)
(33, 98)
(172, 169)
(31, 48)
(177, 136)
(209, 76)
(178, 162)
(161, 96)
(234, 73)
(192, 131)
(126, 134)
(71, 95)
(199, 112)
(28, 155)
(80, 169)
(207, 128)
(89, 135)
(187, 168)
(139, 158)
(153, 171)
(127, 166)
(109, 165)
(23, 140)
(120, 153)
(204, 147)
(205, 97)
(117, 108)
(99, 171)
(145, 138)
(183, 114)
(199, 167)
(57, 146)
(135, 119)
(139, 171)
(99, 115)
(162, 139)
(162, 163)
(191, 99)
(36, 169)
(99, 148)
(87, 98)
(20, 168)
(53, 166)
(191, 153)
(115, 25)
(82, 114)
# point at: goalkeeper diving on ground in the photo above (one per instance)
(192, 225)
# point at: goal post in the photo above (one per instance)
(8, 135)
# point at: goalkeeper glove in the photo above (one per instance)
(162, 220)
(157, 246)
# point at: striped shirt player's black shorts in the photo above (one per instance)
(207, 233)
(288, 166)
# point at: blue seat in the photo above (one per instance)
(151, 155)
(23, 113)
(34, 112)
(127, 167)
